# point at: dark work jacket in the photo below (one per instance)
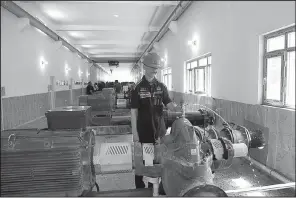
(149, 99)
(88, 89)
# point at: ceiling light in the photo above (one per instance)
(86, 46)
(116, 15)
(55, 14)
(75, 34)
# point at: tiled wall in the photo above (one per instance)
(25, 111)
(278, 126)
(22, 109)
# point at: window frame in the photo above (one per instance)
(166, 73)
(283, 53)
(207, 72)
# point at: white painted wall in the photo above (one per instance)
(20, 59)
(230, 30)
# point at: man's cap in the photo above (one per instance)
(152, 60)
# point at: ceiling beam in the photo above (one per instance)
(115, 50)
(120, 59)
(114, 55)
(106, 28)
(111, 42)
(141, 3)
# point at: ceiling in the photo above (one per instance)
(104, 30)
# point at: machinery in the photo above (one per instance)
(37, 162)
(200, 118)
(185, 160)
(190, 154)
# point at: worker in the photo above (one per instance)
(96, 88)
(100, 86)
(147, 100)
(117, 87)
(89, 89)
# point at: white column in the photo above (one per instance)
(51, 90)
(71, 91)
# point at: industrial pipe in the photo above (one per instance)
(163, 27)
(176, 18)
(197, 118)
(21, 13)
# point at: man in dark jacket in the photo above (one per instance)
(117, 87)
(148, 98)
(89, 89)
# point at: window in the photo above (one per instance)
(279, 68)
(197, 75)
(167, 77)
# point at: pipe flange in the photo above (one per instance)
(246, 134)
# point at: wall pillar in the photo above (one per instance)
(51, 91)
(71, 91)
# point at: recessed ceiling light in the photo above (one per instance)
(87, 46)
(55, 14)
(75, 34)
(116, 15)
